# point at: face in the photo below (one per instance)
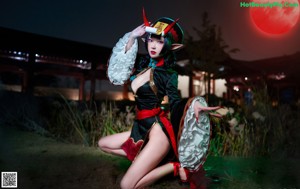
(155, 46)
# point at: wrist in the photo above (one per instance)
(132, 36)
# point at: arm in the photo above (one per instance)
(174, 99)
(198, 108)
(137, 32)
(122, 59)
(188, 129)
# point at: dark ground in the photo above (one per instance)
(44, 163)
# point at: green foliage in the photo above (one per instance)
(255, 130)
(210, 46)
(83, 123)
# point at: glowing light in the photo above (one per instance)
(236, 88)
(278, 76)
(222, 68)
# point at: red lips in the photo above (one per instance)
(153, 52)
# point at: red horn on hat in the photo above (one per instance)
(170, 26)
(146, 22)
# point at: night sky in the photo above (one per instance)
(103, 22)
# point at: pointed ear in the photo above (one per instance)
(176, 46)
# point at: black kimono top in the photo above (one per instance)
(163, 82)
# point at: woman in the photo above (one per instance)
(154, 145)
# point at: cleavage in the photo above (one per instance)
(140, 81)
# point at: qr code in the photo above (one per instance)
(9, 179)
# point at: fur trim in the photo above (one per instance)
(121, 63)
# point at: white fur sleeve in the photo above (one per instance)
(120, 64)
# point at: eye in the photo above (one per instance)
(161, 42)
(150, 40)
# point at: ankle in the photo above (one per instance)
(176, 166)
(183, 174)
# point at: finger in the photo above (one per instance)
(215, 115)
(203, 108)
(144, 24)
(196, 114)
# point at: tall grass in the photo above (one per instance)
(86, 123)
(256, 130)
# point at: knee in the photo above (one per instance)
(101, 144)
(126, 184)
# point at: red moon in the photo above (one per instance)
(274, 17)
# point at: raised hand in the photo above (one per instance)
(138, 32)
(198, 108)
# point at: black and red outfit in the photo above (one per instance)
(163, 82)
(188, 136)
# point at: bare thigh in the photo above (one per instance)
(152, 154)
(112, 143)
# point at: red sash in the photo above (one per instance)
(142, 114)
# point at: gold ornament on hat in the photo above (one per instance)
(160, 28)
